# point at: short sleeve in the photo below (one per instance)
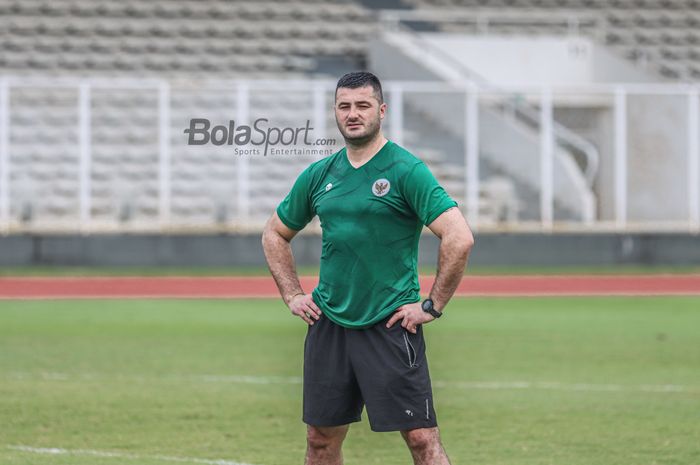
(295, 210)
(426, 197)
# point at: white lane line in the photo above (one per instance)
(555, 386)
(235, 379)
(287, 380)
(121, 455)
(247, 379)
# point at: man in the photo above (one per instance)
(373, 198)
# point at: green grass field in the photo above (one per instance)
(601, 381)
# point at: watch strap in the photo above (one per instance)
(427, 307)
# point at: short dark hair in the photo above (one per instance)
(358, 79)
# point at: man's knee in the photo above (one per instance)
(421, 439)
(325, 437)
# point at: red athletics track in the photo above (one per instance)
(256, 287)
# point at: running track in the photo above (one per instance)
(257, 287)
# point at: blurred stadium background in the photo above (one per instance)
(569, 126)
(567, 130)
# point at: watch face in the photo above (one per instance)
(427, 305)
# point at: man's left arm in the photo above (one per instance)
(456, 241)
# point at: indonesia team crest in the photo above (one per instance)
(381, 187)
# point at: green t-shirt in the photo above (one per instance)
(371, 219)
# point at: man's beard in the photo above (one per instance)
(360, 140)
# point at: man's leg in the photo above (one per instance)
(425, 446)
(324, 443)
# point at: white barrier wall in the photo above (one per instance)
(540, 61)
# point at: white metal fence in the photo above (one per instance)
(621, 182)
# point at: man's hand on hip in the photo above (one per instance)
(303, 306)
(411, 316)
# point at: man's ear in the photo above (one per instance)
(382, 110)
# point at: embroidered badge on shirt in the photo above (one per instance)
(381, 187)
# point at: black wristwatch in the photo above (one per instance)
(427, 307)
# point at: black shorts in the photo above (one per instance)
(384, 368)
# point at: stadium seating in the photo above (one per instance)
(161, 37)
(189, 42)
(659, 35)
(125, 155)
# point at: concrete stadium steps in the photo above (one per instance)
(178, 38)
(187, 41)
(204, 179)
(124, 167)
(317, 9)
(631, 6)
(501, 198)
(658, 35)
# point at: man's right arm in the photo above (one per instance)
(276, 240)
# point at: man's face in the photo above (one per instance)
(358, 114)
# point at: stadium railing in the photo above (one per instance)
(319, 93)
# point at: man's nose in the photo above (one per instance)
(353, 113)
